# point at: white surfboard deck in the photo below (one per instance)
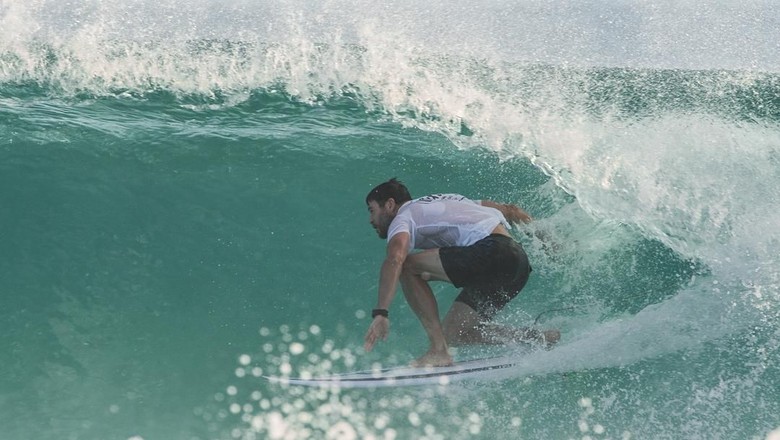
(407, 376)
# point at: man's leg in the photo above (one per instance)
(417, 271)
(464, 326)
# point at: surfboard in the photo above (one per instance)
(406, 376)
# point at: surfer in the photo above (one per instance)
(463, 242)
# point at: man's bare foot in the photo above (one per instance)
(546, 338)
(550, 337)
(432, 359)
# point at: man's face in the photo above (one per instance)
(381, 216)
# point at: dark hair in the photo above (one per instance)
(392, 189)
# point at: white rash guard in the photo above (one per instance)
(441, 220)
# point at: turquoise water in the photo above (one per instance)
(182, 212)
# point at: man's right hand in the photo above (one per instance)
(512, 213)
(379, 329)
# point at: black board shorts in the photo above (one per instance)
(491, 272)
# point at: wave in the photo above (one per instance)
(673, 142)
(663, 176)
(688, 157)
(684, 156)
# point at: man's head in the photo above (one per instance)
(383, 203)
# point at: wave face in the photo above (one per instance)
(182, 212)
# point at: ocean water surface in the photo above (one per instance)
(182, 212)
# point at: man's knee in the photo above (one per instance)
(462, 325)
(461, 334)
(410, 263)
(452, 334)
(412, 267)
(407, 271)
(425, 265)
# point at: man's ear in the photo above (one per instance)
(390, 205)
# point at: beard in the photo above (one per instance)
(383, 227)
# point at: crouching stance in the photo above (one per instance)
(463, 242)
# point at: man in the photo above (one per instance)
(463, 242)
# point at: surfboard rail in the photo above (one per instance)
(404, 375)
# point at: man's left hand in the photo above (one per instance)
(379, 329)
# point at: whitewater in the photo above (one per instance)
(182, 213)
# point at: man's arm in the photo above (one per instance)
(515, 215)
(397, 250)
(511, 212)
